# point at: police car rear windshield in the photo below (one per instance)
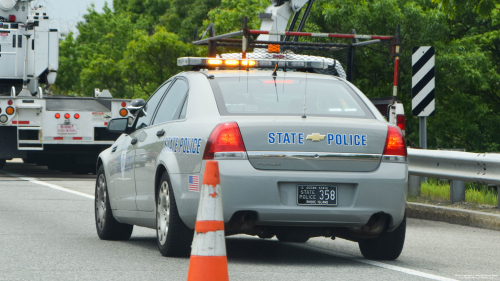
(262, 96)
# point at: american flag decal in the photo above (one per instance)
(194, 183)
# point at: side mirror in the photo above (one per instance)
(135, 105)
(118, 125)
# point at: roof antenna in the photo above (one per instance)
(276, 87)
(305, 96)
(284, 74)
(275, 68)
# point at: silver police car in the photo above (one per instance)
(300, 155)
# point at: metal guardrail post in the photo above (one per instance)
(423, 135)
(414, 183)
(457, 191)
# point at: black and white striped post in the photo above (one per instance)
(423, 84)
(422, 89)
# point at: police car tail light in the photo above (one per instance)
(395, 146)
(225, 142)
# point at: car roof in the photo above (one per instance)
(259, 73)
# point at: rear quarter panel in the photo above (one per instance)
(201, 117)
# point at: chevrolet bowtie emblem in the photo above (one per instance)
(315, 137)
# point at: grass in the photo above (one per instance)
(476, 193)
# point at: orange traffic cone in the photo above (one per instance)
(208, 254)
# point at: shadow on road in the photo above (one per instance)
(40, 172)
(242, 250)
(252, 250)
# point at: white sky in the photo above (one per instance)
(64, 14)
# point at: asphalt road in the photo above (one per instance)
(47, 232)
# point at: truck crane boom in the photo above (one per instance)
(29, 48)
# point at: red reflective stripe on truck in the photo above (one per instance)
(21, 122)
(77, 138)
(58, 138)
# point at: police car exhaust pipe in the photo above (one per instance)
(242, 221)
(375, 225)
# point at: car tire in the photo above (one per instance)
(173, 237)
(387, 246)
(292, 237)
(2, 163)
(107, 227)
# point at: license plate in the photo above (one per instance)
(317, 195)
(66, 129)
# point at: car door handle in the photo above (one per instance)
(114, 149)
(133, 141)
(160, 133)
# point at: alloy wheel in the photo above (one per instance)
(163, 213)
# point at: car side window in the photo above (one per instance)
(171, 105)
(149, 108)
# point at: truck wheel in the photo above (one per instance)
(172, 235)
(292, 237)
(387, 246)
(2, 163)
(107, 227)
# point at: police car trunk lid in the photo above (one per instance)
(313, 143)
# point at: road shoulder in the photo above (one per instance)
(453, 215)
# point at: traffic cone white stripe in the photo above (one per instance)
(211, 210)
(209, 244)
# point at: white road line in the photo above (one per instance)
(379, 264)
(53, 186)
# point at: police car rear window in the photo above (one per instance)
(263, 96)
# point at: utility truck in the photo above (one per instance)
(62, 132)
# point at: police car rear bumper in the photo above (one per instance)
(272, 195)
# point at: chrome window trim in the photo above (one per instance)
(313, 155)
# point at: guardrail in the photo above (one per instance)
(457, 166)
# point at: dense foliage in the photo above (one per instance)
(133, 48)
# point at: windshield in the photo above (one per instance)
(287, 96)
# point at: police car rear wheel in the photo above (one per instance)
(172, 235)
(107, 227)
(387, 246)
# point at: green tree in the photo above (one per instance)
(184, 16)
(151, 60)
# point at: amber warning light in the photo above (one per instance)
(247, 63)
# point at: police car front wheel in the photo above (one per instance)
(107, 227)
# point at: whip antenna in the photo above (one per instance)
(305, 96)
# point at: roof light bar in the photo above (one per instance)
(264, 63)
